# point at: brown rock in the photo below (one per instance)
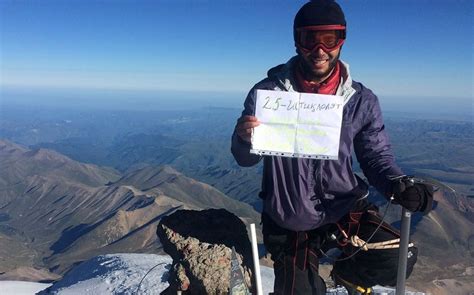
(200, 244)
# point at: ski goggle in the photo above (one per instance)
(329, 38)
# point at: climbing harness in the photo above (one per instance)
(361, 244)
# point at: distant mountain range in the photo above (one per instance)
(197, 144)
(56, 212)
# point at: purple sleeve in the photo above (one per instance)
(240, 148)
(373, 149)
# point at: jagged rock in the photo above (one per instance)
(200, 244)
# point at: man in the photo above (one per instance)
(310, 206)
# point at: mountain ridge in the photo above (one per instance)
(55, 223)
(68, 219)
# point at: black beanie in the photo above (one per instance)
(319, 12)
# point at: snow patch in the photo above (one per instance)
(122, 274)
(116, 274)
(21, 288)
(125, 274)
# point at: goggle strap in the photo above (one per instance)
(321, 28)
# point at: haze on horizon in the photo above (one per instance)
(137, 54)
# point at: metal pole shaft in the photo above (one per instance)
(403, 251)
(256, 260)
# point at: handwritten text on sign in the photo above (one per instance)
(294, 124)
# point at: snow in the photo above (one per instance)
(21, 288)
(115, 274)
(125, 274)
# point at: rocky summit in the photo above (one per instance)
(200, 243)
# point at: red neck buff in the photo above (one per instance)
(328, 86)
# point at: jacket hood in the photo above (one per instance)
(283, 76)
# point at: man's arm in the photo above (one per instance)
(373, 149)
(376, 159)
(241, 137)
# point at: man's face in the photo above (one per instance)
(319, 48)
(318, 64)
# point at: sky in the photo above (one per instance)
(398, 48)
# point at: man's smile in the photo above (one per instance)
(320, 61)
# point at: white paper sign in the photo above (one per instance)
(293, 124)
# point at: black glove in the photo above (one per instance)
(416, 197)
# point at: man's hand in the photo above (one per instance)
(414, 197)
(244, 127)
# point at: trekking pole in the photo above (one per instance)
(256, 261)
(405, 229)
(403, 251)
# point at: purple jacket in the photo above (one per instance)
(304, 194)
